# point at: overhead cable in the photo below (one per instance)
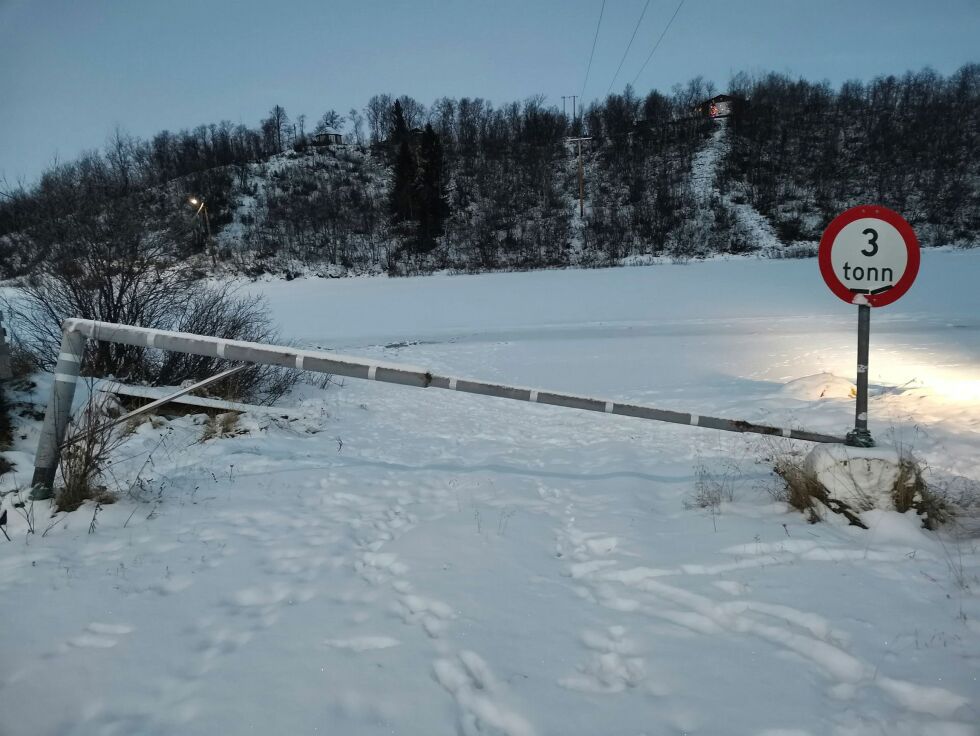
(657, 44)
(628, 46)
(594, 39)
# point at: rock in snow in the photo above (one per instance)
(863, 478)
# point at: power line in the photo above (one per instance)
(594, 39)
(628, 46)
(657, 44)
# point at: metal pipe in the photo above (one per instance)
(637, 411)
(860, 436)
(66, 374)
(154, 404)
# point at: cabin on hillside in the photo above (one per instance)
(719, 106)
(327, 138)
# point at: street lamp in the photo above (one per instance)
(201, 207)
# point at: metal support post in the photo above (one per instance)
(59, 409)
(860, 436)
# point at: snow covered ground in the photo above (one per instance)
(414, 561)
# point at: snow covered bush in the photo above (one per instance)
(220, 312)
(143, 286)
(850, 480)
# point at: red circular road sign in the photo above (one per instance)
(869, 255)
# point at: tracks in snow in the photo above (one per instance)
(612, 578)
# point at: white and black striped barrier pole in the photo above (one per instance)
(77, 330)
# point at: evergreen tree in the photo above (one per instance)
(402, 189)
(430, 190)
(399, 132)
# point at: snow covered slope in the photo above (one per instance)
(408, 561)
(748, 223)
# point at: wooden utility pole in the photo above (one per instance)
(581, 174)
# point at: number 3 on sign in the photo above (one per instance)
(872, 241)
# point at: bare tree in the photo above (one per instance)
(330, 121)
(378, 113)
(119, 152)
(276, 127)
(356, 125)
(413, 110)
(442, 115)
(104, 266)
(301, 125)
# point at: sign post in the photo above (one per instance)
(860, 436)
(869, 256)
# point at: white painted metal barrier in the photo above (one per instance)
(76, 331)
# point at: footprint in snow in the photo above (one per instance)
(614, 664)
(478, 696)
(433, 615)
(263, 603)
(362, 643)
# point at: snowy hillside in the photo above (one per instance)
(470, 186)
(378, 559)
(748, 225)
